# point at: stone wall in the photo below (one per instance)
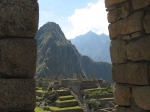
(129, 31)
(18, 26)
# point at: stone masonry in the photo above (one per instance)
(129, 31)
(18, 26)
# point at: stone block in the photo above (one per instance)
(126, 37)
(118, 51)
(114, 15)
(122, 95)
(131, 73)
(19, 18)
(125, 10)
(129, 109)
(110, 8)
(147, 22)
(130, 24)
(17, 94)
(17, 58)
(137, 35)
(18, 111)
(112, 2)
(137, 4)
(141, 95)
(138, 50)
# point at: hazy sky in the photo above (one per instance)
(75, 17)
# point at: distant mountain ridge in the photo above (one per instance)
(56, 55)
(94, 46)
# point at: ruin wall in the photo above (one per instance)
(129, 30)
(18, 50)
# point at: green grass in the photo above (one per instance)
(93, 89)
(40, 91)
(68, 96)
(37, 109)
(37, 97)
(106, 99)
(72, 100)
(66, 108)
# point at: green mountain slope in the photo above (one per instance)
(56, 55)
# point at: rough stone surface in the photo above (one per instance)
(110, 8)
(122, 95)
(137, 4)
(129, 31)
(112, 2)
(147, 22)
(141, 96)
(18, 111)
(114, 15)
(132, 73)
(18, 18)
(129, 109)
(128, 25)
(138, 50)
(136, 35)
(125, 10)
(126, 37)
(17, 94)
(17, 58)
(118, 51)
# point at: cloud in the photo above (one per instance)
(91, 18)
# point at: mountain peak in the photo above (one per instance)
(51, 30)
(90, 33)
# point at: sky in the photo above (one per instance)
(75, 17)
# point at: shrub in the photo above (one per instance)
(93, 103)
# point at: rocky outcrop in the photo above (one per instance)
(129, 30)
(56, 55)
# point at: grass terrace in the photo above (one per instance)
(37, 109)
(56, 109)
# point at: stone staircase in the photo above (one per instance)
(65, 103)
(79, 102)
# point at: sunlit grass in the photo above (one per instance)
(66, 108)
(37, 109)
(68, 96)
(72, 100)
(40, 91)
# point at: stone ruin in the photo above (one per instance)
(129, 31)
(18, 50)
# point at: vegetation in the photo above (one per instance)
(37, 109)
(66, 96)
(66, 108)
(72, 100)
(98, 91)
(56, 55)
(41, 91)
(93, 103)
(48, 98)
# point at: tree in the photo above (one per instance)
(93, 103)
